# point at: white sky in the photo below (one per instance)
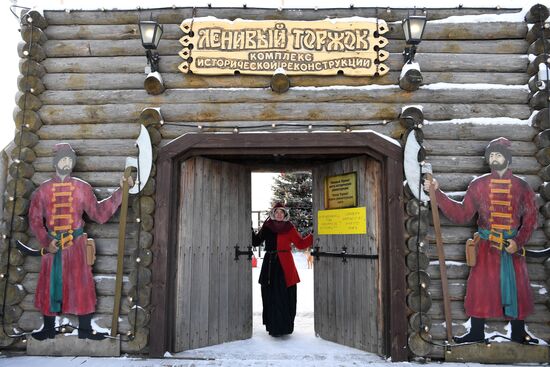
(261, 190)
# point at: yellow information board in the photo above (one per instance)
(342, 221)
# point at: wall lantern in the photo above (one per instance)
(413, 28)
(151, 33)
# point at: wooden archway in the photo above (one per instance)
(263, 148)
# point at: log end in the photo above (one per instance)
(153, 84)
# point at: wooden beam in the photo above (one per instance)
(442, 62)
(435, 31)
(508, 353)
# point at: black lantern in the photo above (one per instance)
(150, 32)
(413, 28)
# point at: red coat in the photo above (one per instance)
(282, 241)
(501, 203)
(61, 204)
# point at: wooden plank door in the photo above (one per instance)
(213, 297)
(347, 295)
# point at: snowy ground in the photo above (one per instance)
(302, 348)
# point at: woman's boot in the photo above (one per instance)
(476, 334)
(48, 331)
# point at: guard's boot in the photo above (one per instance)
(519, 334)
(85, 330)
(476, 334)
(48, 331)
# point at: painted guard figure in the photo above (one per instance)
(498, 284)
(65, 283)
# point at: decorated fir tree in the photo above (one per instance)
(295, 191)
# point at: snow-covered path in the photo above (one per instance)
(301, 348)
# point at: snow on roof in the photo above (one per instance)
(275, 4)
(385, 137)
(331, 20)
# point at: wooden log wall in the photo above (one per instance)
(455, 236)
(83, 83)
(539, 102)
(19, 185)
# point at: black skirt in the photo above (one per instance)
(279, 301)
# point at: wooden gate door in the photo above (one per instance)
(213, 300)
(347, 294)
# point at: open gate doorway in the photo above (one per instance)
(202, 296)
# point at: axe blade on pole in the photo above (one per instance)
(27, 250)
(412, 167)
(143, 165)
(427, 170)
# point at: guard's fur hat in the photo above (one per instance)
(62, 150)
(282, 207)
(501, 145)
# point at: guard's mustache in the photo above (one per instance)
(64, 170)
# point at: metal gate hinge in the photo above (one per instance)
(239, 252)
(343, 254)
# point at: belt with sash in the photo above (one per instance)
(64, 240)
(508, 287)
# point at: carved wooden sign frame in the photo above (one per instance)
(350, 46)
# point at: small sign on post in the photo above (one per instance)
(341, 191)
(342, 221)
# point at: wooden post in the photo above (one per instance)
(538, 30)
(120, 257)
(441, 257)
(539, 100)
(537, 13)
(542, 119)
(539, 46)
(411, 80)
(533, 67)
(154, 84)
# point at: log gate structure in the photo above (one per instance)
(82, 82)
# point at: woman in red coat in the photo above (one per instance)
(278, 276)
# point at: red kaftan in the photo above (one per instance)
(501, 203)
(59, 205)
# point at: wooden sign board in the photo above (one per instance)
(351, 46)
(341, 191)
(342, 221)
